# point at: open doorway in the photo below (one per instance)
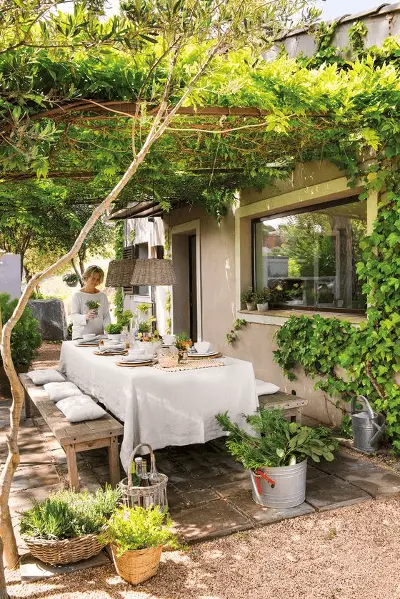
(186, 297)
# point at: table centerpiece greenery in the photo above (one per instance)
(114, 328)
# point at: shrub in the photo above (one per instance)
(67, 514)
(25, 338)
(139, 528)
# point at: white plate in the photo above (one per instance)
(136, 360)
(195, 354)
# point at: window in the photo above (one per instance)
(140, 250)
(312, 255)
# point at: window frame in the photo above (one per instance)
(289, 212)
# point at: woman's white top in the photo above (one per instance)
(79, 310)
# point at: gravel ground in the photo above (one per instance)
(352, 553)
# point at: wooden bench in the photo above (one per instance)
(74, 437)
(292, 405)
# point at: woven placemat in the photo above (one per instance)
(133, 365)
(194, 357)
(191, 365)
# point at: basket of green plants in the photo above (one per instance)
(137, 536)
(276, 455)
(65, 527)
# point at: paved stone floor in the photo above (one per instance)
(209, 494)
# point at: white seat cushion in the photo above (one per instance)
(41, 377)
(57, 391)
(264, 388)
(79, 408)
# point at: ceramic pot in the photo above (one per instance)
(250, 306)
(262, 307)
(114, 337)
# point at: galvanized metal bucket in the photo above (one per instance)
(288, 488)
(368, 427)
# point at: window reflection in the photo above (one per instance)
(313, 256)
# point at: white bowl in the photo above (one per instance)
(114, 337)
(89, 336)
(202, 347)
(136, 353)
(168, 339)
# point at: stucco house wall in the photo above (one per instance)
(225, 270)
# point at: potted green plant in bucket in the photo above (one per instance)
(277, 455)
(137, 537)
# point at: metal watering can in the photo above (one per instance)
(368, 427)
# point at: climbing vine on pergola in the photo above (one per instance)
(70, 115)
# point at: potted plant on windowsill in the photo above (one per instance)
(113, 331)
(247, 298)
(137, 537)
(277, 456)
(64, 528)
(261, 298)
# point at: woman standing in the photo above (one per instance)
(85, 319)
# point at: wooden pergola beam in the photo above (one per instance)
(118, 109)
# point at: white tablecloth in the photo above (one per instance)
(163, 408)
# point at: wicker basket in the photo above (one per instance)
(66, 551)
(144, 496)
(137, 566)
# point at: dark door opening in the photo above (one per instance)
(192, 287)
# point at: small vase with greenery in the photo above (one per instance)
(68, 516)
(93, 306)
(137, 537)
(183, 342)
(144, 329)
(247, 298)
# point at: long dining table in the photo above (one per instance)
(158, 407)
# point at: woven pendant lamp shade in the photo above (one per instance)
(120, 273)
(153, 271)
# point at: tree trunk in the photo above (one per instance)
(81, 264)
(78, 274)
(3, 588)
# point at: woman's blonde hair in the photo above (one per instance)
(93, 270)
